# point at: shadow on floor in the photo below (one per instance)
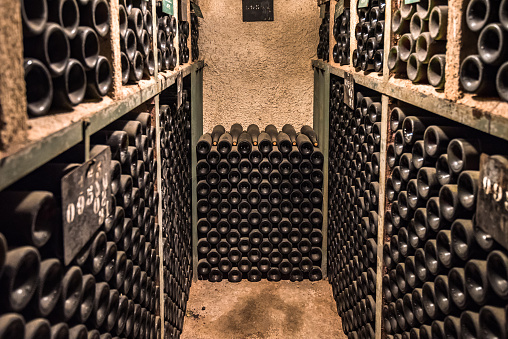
(262, 310)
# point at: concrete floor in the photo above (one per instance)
(263, 310)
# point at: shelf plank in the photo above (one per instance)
(145, 90)
(51, 135)
(23, 160)
(404, 90)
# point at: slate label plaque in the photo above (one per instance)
(86, 202)
(197, 9)
(339, 9)
(257, 10)
(179, 89)
(363, 3)
(167, 7)
(182, 11)
(349, 90)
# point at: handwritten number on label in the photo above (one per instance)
(96, 196)
(101, 216)
(90, 173)
(104, 199)
(96, 205)
(81, 204)
(89, 195)
(496, 191)
(97, 188)
(71, 213)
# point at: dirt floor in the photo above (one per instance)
(263, 310)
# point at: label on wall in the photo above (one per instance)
(182, 10)
(492, 204)
(339, 8)
(86, 202)
(197, 10)
(363, 3)
(257, 10)
(349, 90)
(167, 7)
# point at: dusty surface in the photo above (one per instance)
(258, 72)
(13, 116)
(110, 47)
(262, 310)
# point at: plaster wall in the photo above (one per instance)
(258, 72)
(13, 116)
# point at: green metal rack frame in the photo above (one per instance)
(321, 126)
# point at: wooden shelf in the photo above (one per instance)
(489, 115)
(27, 143)
(484, 114)
(14, 120)
(51, 135)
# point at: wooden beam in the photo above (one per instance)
(331, 38)
(176, 40)
(455, 40)
(353, 17)
(110, 48)
(381, 215)
(13, 106)
(388, 38)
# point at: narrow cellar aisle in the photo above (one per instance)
(261, 310)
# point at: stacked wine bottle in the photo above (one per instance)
(62, 62)
(341, 34)
(420, 51)
(111, 287)
(324, 38)
(446, 277)
(166, 51)
(354, 161)
(259, 204)
(184, 30)
(136, 32)
(369, 33)
(176, 219)
(485, 73)
(194, 36)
